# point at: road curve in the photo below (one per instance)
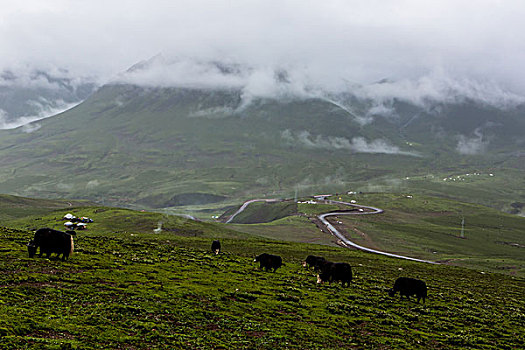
(347, 242)
(334, 231)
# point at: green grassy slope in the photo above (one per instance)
(259, 212)
(149, 291)
(113, 222)
(413, 225)
(128, 145)
(430, 227)
(12, 207)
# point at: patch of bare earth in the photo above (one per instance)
(344, 228)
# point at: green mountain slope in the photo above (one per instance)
(146, 146)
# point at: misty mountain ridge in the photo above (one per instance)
(31, 94)
(248, 132)
(399, 102)
(433, 87)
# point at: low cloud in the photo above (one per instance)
(64, 186)
(92, 184)
(438, 86)
(473, 145)
(31, 127)
(46, 109)
(360, 42)
(5, 122)
(363, 101)
(46, 76)
(214, 112)
(357, 144)
(185, 72)
(28, 93)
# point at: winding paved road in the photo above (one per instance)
(347, 242)
(366, 211)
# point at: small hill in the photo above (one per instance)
(258, 212)
(14, 207)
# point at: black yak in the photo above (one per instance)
(216, 247)
(51, 241)
(333, 272)
(269, 261)
(409, 286)
(314, 261)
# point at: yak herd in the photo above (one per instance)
(342, 272)
(61, 243)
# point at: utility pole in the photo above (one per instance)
(462, 227)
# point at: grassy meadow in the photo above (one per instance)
(419, 226)
(127, 287)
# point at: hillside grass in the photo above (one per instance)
(430, 228)
(12, 207)
(110, 221)
(292, 228)
(130, 285)
(261, 212)
(138, 290)
(418, 226)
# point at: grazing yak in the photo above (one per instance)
(269, 261)
(51, 241)
(409, 286)
(314, 261)
(333, 272)
(216, 247)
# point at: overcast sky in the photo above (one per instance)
(360, 41)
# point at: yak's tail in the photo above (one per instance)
(72, 246)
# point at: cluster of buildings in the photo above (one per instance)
(74, 223)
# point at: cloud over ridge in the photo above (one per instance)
(357, 144)
(437, 86)
(330, 41)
